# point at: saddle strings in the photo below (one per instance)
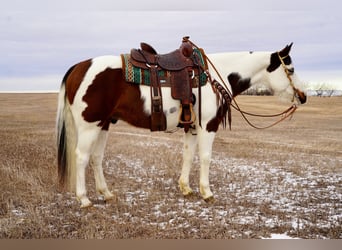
(287, 113)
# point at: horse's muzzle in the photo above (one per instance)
(301, 96)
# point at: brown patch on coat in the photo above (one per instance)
(213, 124)
(110, 97)
(74, 77)
(237, 83)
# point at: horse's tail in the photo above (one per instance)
(66, 139)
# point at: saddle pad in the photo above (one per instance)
(203, 63)
(199, 54)
(138, 75)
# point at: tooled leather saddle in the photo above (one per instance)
(184, 69)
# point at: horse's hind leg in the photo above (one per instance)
(96, 159)
(190, 142)
(86, 141)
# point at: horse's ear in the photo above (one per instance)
(275, 61)
(289, 46)
(286, 51)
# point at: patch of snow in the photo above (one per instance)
(18, 212)
(279, 237)
(297, 224)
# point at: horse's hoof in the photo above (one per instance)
(110, 200)
(188, 194)
(210, 200)
(86, 203)
(86, 206)
(185, 189)
(109, 197)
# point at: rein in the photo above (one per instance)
(285, 114)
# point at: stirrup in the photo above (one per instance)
(193, 115)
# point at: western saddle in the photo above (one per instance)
(184, 68)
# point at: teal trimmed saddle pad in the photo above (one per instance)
(138, 75)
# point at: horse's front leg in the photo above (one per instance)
(190, 142)
(206, 140)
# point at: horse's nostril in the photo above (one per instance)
(303, 99)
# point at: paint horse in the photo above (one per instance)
(94, 93)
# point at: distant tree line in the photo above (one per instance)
(258, 90)
(324, 90)
(321, 90)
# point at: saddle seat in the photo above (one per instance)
(176, 60)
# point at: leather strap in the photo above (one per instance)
(158, 119)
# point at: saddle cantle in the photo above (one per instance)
(181, 69)
(148, 48)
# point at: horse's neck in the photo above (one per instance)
(247, 64)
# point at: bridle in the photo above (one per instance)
(288, 75)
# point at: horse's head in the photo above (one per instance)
(283, 79)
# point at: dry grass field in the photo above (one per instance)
(283, 180)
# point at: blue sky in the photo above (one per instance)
(41, 39)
